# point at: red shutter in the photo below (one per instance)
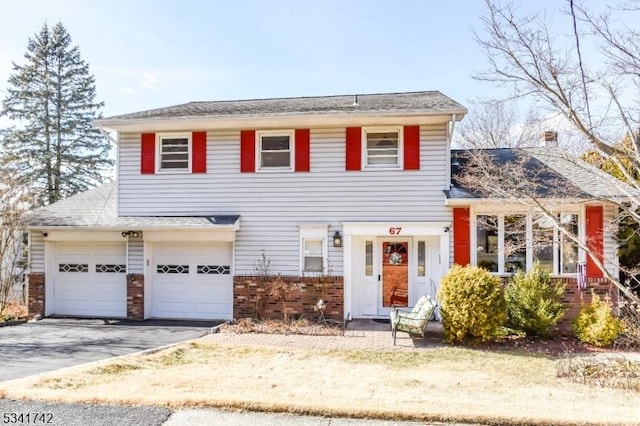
(411, 147)
(199, 152)
(302, 150)
(461, 236)
(148, 153)
(353, 148)
(595, 237)
(247, 151)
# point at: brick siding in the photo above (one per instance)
(35, 295)
(135, 297)
(574, 298)
(251, 298)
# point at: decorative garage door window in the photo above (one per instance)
(214, 269)
(73, 267)
(172, 269)
(111, 268)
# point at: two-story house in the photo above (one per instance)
(349, 191)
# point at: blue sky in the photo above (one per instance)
(153, 53)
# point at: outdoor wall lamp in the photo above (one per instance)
(133, 234)
(337, 239)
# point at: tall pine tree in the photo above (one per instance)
(54, 147)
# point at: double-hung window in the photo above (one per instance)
(275, 151)
(313, 249)
(313, 255)
(382, 148)
(174, 152)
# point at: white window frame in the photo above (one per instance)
(364, 153)
(292, 144)
(529, 239)
(159, 138)
(314, 232)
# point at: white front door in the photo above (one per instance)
(392, 272)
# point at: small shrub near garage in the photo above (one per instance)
(473, 306)
(596, 324)
(534, 303)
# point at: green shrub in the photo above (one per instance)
(596, 323)
(473, 306)
(534, 303)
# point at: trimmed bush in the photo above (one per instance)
(473, 306)
(534, 303)
(596, 323)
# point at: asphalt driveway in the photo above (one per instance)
(54, 343)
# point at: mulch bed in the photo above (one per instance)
(13, 314)
(302, 327)
(556, 346)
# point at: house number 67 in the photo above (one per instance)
(395, 230)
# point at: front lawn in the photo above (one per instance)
(440, 384)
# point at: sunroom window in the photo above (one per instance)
(487, 242)
(542, 247)
(568, 255)
(515, 243)
(505, 244)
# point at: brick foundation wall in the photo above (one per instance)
(135, 297)
(251, 298)
(574, 298)
(35, 295)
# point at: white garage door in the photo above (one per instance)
(90, 280)
(192, 280)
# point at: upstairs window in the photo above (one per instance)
(275, 151)
(174, 152)
(382, 149)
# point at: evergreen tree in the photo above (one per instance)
(54, 146)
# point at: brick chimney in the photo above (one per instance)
(550, 138)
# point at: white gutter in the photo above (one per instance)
(124, 227)
(104, 132)
(449, 137)
(515, 201)
(369, 118)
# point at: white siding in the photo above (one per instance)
(272, 205)
(135, 260)
(335, 257)
(36, 252)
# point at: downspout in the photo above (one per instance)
(450, 128)
(117, 161)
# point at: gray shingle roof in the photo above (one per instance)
(432, 102)
(96, 208)
(555, 174)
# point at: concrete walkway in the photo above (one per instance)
(360, 334)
